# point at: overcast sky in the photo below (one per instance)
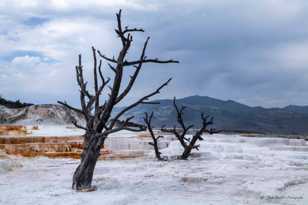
(251, 51)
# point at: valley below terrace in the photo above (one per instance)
(228, 170)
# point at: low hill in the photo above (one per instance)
(38, 114)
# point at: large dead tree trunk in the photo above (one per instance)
(83, 175)
(99, 123)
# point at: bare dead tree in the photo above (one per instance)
(198, 136)
(148, 121)
(97, 114)
(180, 133)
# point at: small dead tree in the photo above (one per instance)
(148, 121)
(97, 114)
(180, 133)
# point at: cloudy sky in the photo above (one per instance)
(252, 51)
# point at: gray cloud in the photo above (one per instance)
(250, 51)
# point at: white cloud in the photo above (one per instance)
(35, 7)
(69, 4)
(26, 60)
(227, 47)
(291, 55)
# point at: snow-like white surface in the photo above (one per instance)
(228, 170)
(55, 130)
(44, 114)
(68, 130)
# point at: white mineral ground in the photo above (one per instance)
(228, 170)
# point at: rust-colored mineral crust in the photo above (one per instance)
(57, 147)
(13, 130)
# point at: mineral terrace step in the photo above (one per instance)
(123, 154)
(24, 140)
(40, 147)
(13, 129)
(73, 155)
(71, 146)
(105, 154)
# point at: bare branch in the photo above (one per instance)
(128, 30)
(95, 70)
(156, 60)
(70, 107)
(119, 30)
(181, 133)
(148, 120)
(141, 100)
(95, 78)
(135, 75)
(125, 125)
(150, 103)
(112, 60)
(198, 135)
(180, 137)
(74, 122)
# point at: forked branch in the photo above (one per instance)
(138, 102)
(206, 121)
(180, 133)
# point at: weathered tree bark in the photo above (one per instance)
(100, 121)
(83, 175)
(186, 153)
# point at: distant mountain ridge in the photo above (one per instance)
(13, 104)
(229, 115)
